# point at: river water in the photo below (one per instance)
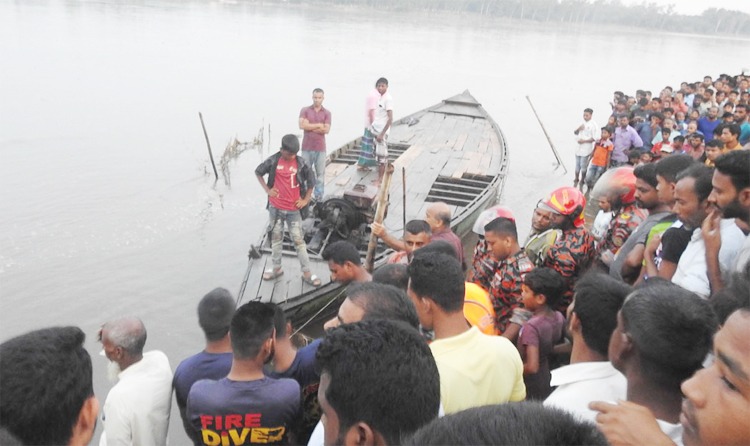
(109, 206)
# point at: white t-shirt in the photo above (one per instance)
(385, 103)
(590, 131)
(691, 269)
(601, 224)
(580, 383)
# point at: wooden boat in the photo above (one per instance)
(452, 152)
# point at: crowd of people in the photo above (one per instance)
(634, 332)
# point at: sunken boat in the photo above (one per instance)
(452, 152)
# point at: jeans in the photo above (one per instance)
(293, 221)
(317, 161)
(582, 163)
(593, 174)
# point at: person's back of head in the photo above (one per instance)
(341, 252)
(670, 328)
(378, 379)
(127, 333)
(392, 274)
(524, 423)
(381, 301)
(733, 296)
(669, 167)
(548, 282)
(437, 277)
(439, 247)
(280, 322)
(46, 390)
(215, 312)
(597, 299)
(251, 327)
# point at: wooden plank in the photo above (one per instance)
(333, 170)
(342, 181)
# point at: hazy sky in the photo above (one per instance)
(696, 7)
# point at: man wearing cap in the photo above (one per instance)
(625, 138)
(215, 312)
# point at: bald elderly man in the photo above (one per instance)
(137, 408)
(438, 215)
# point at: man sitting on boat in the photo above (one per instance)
(345, 263)
(289, 188)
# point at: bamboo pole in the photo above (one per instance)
(210, 154)
(403, 187)
(549, 140)
(379, 215)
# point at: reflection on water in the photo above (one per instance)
(109, 205)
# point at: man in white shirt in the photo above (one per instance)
(692, 207)
(137, 408)
(586, 134)
(592, 317)
(663, 335)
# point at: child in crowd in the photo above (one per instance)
(714, 149)
(600, 157)
(601, 222)
(541, 291)
(678, 144)
(666, 151)
(665, 142)
(634, 156)
(646, 158)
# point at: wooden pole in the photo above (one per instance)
(403, 187)
(549, 140)
(379, 215)
(210, 154)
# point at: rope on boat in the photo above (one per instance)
(333, 299)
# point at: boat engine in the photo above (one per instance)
(345, 218)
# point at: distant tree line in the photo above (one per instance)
(645, 15)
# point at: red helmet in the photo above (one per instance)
(617, 185)
(490, 214)
(567, 201)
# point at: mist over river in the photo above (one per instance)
(109, 205)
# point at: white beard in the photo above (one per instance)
(113, 369)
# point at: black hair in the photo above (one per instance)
(279, 320)
(647, 173)
(438, 277)
(392, 274)
(546, 281)
(523, 423)
(702, 175)
(733, 128)
(381, 80)
(588, 110)
(732, 297)
(735, 164)
(341, 252)
(45, 379)
(290, 143)
(643, 101)
(666, 130)
(502, 226)
(672, 328)
(597, 299)
(252, 325)
(679, 138)
(745, 107)
(417, 227)
(609, 129)
(381, 373)
(381, 301)
(215, 312)
(715, 143)
(318, 90)
(669, 167)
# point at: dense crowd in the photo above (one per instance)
(636, 331)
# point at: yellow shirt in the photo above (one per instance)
(477, 369)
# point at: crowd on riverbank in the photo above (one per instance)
(634, 332)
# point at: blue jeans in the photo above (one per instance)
(582, 163)
(317, 161)
(293, 221)
(593, 174)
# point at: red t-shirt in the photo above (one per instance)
(287, 185)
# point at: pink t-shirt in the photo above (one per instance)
(287, 185)
(371, 103)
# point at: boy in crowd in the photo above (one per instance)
(600, 157)
(541, 290)
(587, 134)
(714, 149)
(289, 188)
